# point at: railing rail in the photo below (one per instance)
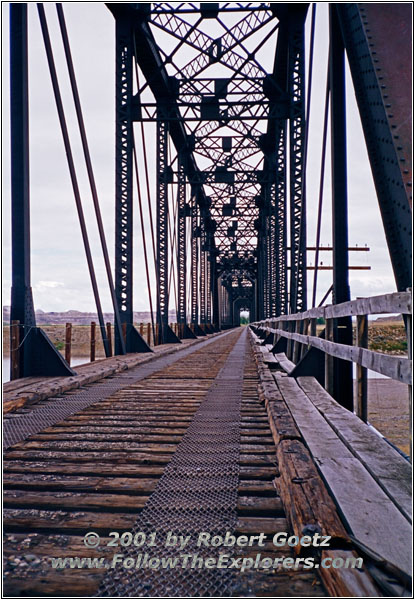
(300, 329)
(399, 302)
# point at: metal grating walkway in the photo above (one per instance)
(198, 492)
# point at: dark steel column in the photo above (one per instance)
(343, 374)
(162, 226)
(181, 242)
(123, 174)
(214, 286)
(296, 62)
(208, 288)
(378, 43)
(281, 220)
(202, 280)
(195, 263)
(37, 354)
(21, 293)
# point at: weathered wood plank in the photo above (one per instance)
(285, 364)
(307, 503)
(253, 505)
(73, 501)
(73, 482)
(397, 302)
(53, 520)
(347, 582)
(395, 367)
(257, 488)
(252, 525)
(369, 512)
(82, 469)
(387, 467)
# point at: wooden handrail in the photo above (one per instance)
(395, 367)
(398, 302)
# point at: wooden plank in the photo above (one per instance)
(257, 488)
(307, 503)
(46, 387)
(347, 582)
(54, 520)
(391, 471)
(369, 512)
(76, 482)
(81, 469)
(281, 422)
(395, 367)
(252, 505)
(73, 501)
(285, 364)
(261, 473)
(87, 457)
(257, 525)
(397, 302)
(76, 446)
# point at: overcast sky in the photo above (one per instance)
(60, 278)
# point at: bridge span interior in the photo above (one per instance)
(244, 432)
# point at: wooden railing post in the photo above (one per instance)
(290, 329)
(93, 339)
(296, 345)
(109, 337)
(14, 350)
(362, 336)
(141, 329)
(68, 342)
(328, 360)
(304, 347)
(149, 333)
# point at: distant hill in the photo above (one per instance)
(77, 317)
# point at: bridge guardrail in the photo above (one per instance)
(300, 329)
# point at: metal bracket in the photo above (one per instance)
(312, 363)
(134, 341)
(40, 357)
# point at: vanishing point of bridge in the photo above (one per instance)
(206, 459)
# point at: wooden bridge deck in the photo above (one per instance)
(95, 470)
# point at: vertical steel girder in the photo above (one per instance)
(195, 263)
(343, 374)
(214, 286)
(381, 74)
(124, 55)
(280, 223)
(208, 288)
(21, 293)
(272, 253)
(296, 70)
(37, 355)
(162, 225)
(124, 144)
(202, 281)
(181, 242)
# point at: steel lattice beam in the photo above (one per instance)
(123, 173)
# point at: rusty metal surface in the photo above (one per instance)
(378, 44)
(389, 32)
(197, 492)
(20, 425)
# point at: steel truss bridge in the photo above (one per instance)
(227, 89)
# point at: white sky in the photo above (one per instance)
(60, 277)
